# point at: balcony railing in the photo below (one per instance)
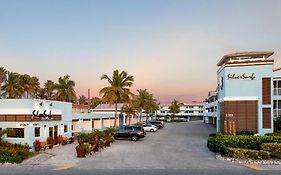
(276, 113)
(277, 91)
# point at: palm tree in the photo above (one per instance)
(95, 101)
(41, 93)
(3, 78)
(119, 89)
(34, 86)
(174, 108)
(24, 81)
(65, 89)
(82, 100)
(49, 88)
(145, 101)
(129, 110)
(12, 87)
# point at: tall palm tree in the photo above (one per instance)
(3, 78)
(129, 110)
(119, 89)
(146, 102)
(24, 81)
(41, 93)
(12, 87)
(174, 108)
(34, 86)
(49, 88)
(65, 89)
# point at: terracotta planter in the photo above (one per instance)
(37, 149)
(80, 151)
(51, 146)
(107, 143)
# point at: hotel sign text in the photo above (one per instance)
(244, 76)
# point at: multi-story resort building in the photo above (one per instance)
(188, 111)
(248, 93)
(210, 108)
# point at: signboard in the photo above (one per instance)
(243, 76)
(43, 116)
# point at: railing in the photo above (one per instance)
(276, 113)
(277, 91)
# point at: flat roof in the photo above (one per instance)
(247, 55)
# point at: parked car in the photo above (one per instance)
(149, 127)
(132, 132)
(139, 128)
(159, 124)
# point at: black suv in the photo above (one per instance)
(159, 124)
(132, 132)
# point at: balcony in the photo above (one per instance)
(277, 91)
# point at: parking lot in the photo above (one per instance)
(176, 146)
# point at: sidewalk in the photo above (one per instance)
(60, 155)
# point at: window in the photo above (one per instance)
(15, 132)
(37, 131)
(65, 128)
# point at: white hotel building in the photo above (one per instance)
(211, 108)
(189, 111)
(29, 119)
(248, 93)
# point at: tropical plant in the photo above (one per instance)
(174, 108)
(65, 89)
(49, 88)
(129, 110)
(95, 101)
(145, 102)
(82, 100)
(12, 88)
(119, 89)
(3, 78)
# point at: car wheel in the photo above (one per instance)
(116, 138)
(152, 130)
(134, 138)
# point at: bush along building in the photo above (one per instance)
(248, 93)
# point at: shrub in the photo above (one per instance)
(273, 148)
(86, 148)
(247, 154)
(13, 153)
(219, 142)
(37, 145)
(273, 134)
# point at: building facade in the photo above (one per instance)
(188, 111)
(27, 119)
(247, 93)
(211, 108)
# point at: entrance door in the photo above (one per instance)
(56, 134)
(51, 132)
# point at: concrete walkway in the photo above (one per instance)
(58, 156)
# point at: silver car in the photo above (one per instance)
(149, 127)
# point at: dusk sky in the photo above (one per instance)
(171, 47)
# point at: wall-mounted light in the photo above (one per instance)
(41, 104)
(51, 104)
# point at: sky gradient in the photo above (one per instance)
(171, 47)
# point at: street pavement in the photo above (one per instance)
(179, 148)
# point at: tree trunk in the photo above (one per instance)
(0, 89)
(115, 118)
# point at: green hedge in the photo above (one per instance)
(219, 142)
(13, 153)
(273, 148)
(240, 153)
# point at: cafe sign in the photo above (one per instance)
(243, 76)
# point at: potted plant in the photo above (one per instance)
(70, 140)
(50, 142)
(59, 139)
(82, 150)
(37, 145)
